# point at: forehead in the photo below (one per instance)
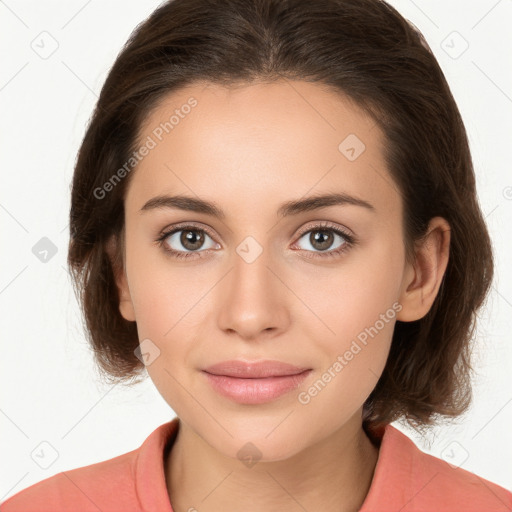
(260, 144)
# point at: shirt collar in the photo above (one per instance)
(151, 484)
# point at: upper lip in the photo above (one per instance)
(254, 370)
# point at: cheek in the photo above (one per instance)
(352, 295)
(164, 292)
(166, 307)
(352, 353)
(355, 306)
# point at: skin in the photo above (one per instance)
(249, 149)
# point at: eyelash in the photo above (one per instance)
(349, 240)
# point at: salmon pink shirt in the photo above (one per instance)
(405, 480)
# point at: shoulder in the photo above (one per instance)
(409, 479)
(89, 488)
(134, 481)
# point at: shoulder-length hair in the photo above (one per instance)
(364, 49)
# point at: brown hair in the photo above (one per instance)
(363, 49)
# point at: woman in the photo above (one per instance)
(274, 213)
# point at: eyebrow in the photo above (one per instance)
(288, 208)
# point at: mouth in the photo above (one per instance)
(255, 383)
(254, 370)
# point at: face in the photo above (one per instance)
(319, 288)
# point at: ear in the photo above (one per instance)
(423, 278)
(125, 301)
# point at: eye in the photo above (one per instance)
(321, 238)
(189, 237)
(188, 240)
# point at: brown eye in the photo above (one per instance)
(322, 239)
(185, 241)
(325, 241)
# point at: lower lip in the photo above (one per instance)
(255, 391)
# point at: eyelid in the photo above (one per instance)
(327, 225)
(168, 230)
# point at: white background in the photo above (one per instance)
(50, 389)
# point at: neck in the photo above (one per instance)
(334, 474)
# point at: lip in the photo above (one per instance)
(256, 382)
(255, 391)
(254, 370)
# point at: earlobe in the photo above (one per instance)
(423, 279)
(126, 309)
(125, 302)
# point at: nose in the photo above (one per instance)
(253, 300)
